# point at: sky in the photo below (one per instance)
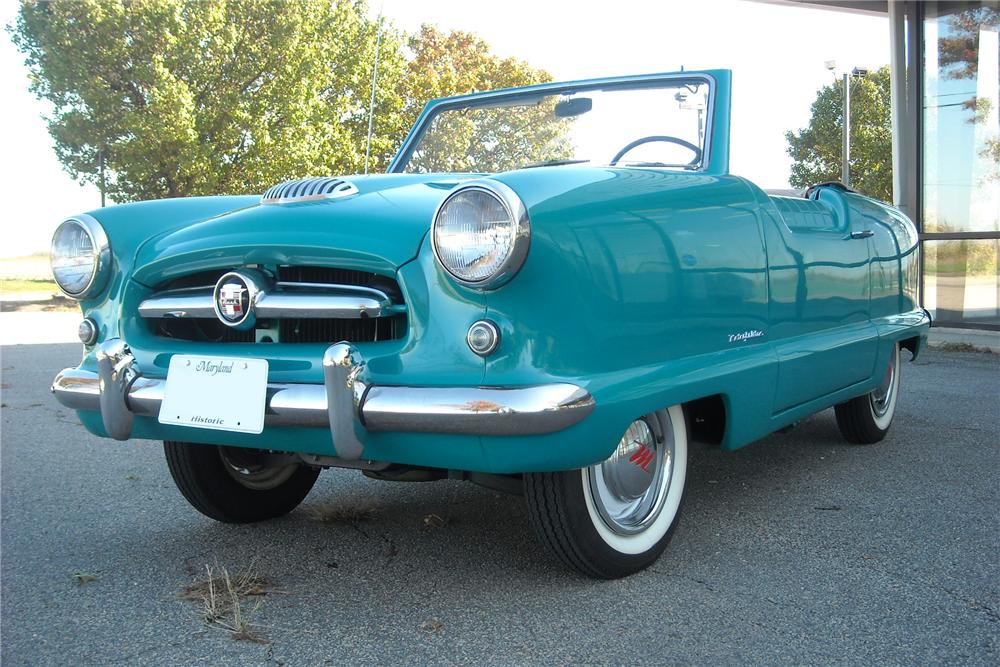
(777, 53)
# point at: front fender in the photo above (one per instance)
(632, 273)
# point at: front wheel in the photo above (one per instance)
(237, 485)
(866, 419)
(615, 518)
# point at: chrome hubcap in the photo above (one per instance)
(629, 488)
(881, 398)
(255, 469)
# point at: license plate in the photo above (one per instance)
(219, 393)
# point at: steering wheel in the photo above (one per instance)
(660, 137)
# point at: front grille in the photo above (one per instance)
(353, 331)
(299, 280)
(329, 276)
(202, 330)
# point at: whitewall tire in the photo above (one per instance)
(615, 518)
(866, 419)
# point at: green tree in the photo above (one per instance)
(491, 139)
(190, 97)
(958, 50)
(815, 150)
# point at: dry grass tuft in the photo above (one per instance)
(338, 514)
(223, 599)
(432, 625)
(434, 521)
(83, 578)
(959, 347)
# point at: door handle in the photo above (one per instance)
(863, 234)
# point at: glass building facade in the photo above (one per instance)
(960, 161)
(945, 69)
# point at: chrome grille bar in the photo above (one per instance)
(286, 300)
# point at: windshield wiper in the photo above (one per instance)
(550, 163)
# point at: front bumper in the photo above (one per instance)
(345, 403)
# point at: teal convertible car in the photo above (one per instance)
(552, 291)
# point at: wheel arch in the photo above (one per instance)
(707, 419)
(914, 344)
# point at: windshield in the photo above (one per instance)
(660, 124)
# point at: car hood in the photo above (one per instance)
(377, 229)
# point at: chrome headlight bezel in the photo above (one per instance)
(521, 236)
(101, 249)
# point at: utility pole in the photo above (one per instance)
(103, 184)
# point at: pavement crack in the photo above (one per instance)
(987, 610)
(701, 582)
(970, 603)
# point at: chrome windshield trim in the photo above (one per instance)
(434, 107)
(320, 301)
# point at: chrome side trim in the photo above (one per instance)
(323, 301)
(345, 403)
(476, 410)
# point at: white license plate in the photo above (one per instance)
(220, 393)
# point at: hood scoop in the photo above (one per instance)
(308, 189)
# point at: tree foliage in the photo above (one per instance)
(958, 50)
(188, 97)
(484, 139)
(958, 57)
(816, 149)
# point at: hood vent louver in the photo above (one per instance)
(308, 189)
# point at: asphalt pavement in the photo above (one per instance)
(799, 549)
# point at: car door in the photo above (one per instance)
(819, 311)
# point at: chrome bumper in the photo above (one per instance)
(344, 403)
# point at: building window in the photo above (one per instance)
(961, 162)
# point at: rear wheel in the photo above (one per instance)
(616, 517)
(237, 485)
(866, 419)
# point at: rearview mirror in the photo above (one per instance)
(573, 106)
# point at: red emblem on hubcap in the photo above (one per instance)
(643, 457)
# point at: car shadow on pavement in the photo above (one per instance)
(406, 534)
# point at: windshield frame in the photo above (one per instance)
(435, 107)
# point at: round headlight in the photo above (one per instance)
(481, 234)
(80, 257)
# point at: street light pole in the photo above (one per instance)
(845, 146)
